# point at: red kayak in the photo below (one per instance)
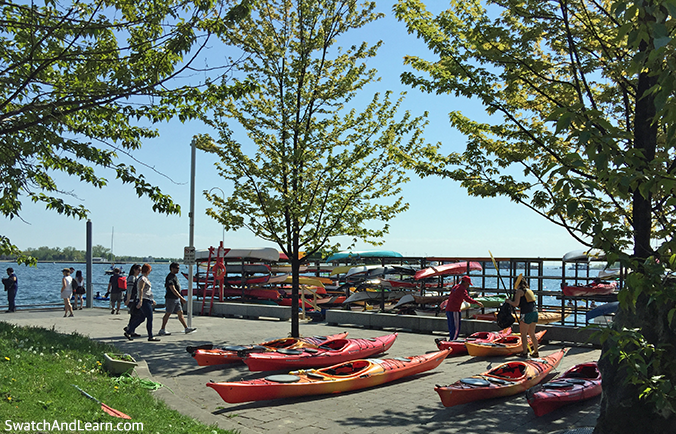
(458, 345)
(331, 352)
(580, 382)
(344, 377)
(207, 355)
(455, 268)
(506, 379)
(591, 289)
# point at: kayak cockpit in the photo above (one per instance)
(347, 369)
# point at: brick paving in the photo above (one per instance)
(406, 406)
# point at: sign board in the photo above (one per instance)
(189, 255)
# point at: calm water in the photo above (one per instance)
(42, 284)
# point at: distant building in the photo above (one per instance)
(97, 259)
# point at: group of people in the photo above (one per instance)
(72, 286)
(524, 299)
(134, 290)
(140, 301)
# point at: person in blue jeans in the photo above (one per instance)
(453, 306)
(145, 304)
(11, 284)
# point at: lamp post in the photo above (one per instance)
(223, 194)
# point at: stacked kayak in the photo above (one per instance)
(458, 345)
(343, 377)
(207, 355)
(591, 289)
(504, 346)
(580, 382)
(504, 380)
(331, 352)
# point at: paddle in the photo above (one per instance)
(111, 411)
(497, 269)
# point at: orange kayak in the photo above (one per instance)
(234, 353)
(504, 346)
(458, 345)
(343, 377)
(543, 317)
(504, 380)
(329, 353)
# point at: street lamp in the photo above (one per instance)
(222, 193)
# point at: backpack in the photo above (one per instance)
(75, 285)
(122, 283)
(505, 316)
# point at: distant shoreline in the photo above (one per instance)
(13, 261)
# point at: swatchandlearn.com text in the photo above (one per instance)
(75, 425)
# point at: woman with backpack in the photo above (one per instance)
(145, 305)
(136, 317)
(524, 299)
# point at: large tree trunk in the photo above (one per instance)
(621, 409)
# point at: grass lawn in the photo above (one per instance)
(38, 368)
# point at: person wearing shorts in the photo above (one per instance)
(524, 299)
(67, 292)
(173, 300)
(116, 293)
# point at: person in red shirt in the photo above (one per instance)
(454, 303)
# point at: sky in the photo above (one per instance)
(442, 220)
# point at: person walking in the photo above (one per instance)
(67, 292)
(145, 304)
(524, 299)
(454, 304)
(135, 314)
(173, 300)
(11, 284)
(79, 289)
(116, 290)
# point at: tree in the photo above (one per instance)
(580, 130)
(75, 78)
(312, 170)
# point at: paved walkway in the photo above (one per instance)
(406, 406)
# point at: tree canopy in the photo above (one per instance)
(580, 127)
(77, 78)
(311, 169)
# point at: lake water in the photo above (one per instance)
(41, 285)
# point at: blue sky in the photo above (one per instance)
(442, 219)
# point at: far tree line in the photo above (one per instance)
(71, 254)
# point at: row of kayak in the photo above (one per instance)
(335, 364)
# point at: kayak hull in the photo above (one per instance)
(506, 379)
(577, 384)
(543, 317)
(592, 289)
(331, 352)
(458, 345)
(343, 377)
(231, 354)
(504, 346)
(455, 268)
